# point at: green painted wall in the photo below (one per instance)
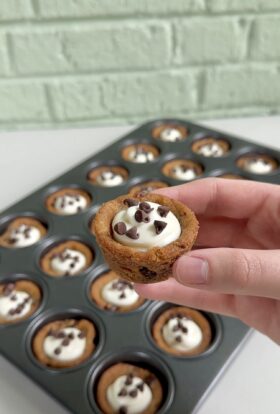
(92, 62)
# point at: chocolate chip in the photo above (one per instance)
(159, 226)
(60, 335)
(123, 409)
(129, 379)
(145, 207)
(141, 216)
(71, 335)
(178, 338)
(81, 335)
(163, 211)
(122, 296)
(120, 228)
(175, 328)
(79, 209)
(132, 233)
(147, 272)
(65, 342)
(12, 312)
(7, 290)
(184, 329)
(150, 379)
(133, 393)
(12, 240)
(141, 386)
(122, 393)
(130, 202)
(57, 351)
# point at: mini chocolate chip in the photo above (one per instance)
(122, 296)
(129, 379)
(178, 338)
(175, 328)
(145, 207)
(150, 379)
(141, 216)
(120, 228)
(122, 393)
(123, 409)
(133, 393)
(79, 209)
(7, 290)
(159, 226)
(71, 335)
(60, 335)
(163, 211)
(70, 203)
(57, 351)
(12, 312)
(12, 240)
(130, 202)
(65, 342)
(13, 298)
(147, 272)
(132, 233)
(18, 309)
(141, 386)
(81, 335)
(72, 265)
(184, 329)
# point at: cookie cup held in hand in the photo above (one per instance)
(152, 265)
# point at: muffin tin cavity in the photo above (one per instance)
(110, 292)
(139, 371)
(66, 258)
(146, 187)
(170, 132)
(108, 175)
(20, 298)
(181, 331)
(140, 153)
(22, 231)
(68, 201)
(182, 169)
(211, 147)
(257, 163)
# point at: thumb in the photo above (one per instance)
(237, 271)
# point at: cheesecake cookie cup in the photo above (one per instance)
(170, 132)
(22, 232)
(261, 164)
(125, 388)
(146, 188)
(140, 153)
(142, 237)
(211, 147)
(108, 175)
(68, 201)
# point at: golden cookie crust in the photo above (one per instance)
(168, 167)
(157, 130)
(139, 189)
(117, 370)
(24, 286)
(96, 294)
(155, 264)
(95, 172)
(14, 224)
(242, 161)
(45, 261)
(231, 176)
(38, 342)
(225, 145)
(193, 314)
(49, 203)
(146, 147)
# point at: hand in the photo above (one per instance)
(238, 274)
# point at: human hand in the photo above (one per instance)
(238, 274)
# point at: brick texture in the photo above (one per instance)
(91, 62)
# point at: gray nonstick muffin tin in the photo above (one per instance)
(121, 337)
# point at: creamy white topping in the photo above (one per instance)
(15, 305)
(69, 262)
(211, 150)
(182, 334)
(171, 135)
(147, 233)
(135, 404)
(70, 204)
(65, 349)
(140, 156)
(119, 293)
(24, 236)
(258, 166)
(109, 179)
(183, 173)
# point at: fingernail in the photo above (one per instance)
(190, 270)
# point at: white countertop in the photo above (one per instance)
(28, 160)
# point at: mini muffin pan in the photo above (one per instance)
(121, 337)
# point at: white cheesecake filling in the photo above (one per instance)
(182, 334)
(15, 305)
(171, 135)
(109, 179)
(134, 399)
(258, 166)
(146, 233)
(183, 173)
(140, 156)
(119, 293)
(70, 204)
(69, 262)
(67, 348)
(211, 150)
(24, 236)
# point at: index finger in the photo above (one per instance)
(214, 197)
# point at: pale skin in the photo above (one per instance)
(238, 274)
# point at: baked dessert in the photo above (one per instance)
(108, 176)
(22, 232)
(170, 132)
(146, 187)
(18, 300)
(110, 292)
(128, 389)
(140, 153)
(68, 201)
(231, 176)
(211, 147)
(257, 163)
(183, 170)
(68, 258)
(64, 343)
(182, 331)
(142, 237)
